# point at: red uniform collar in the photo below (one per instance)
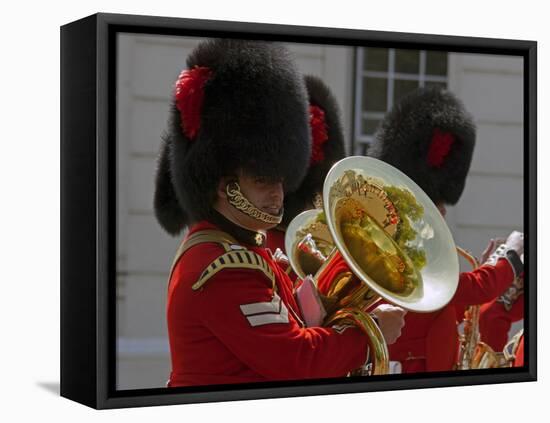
(242, 235)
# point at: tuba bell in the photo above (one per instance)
(377, 236)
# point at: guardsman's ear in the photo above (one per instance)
(222, 186)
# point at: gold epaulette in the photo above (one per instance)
(207, 235)
(235, 256)
(238, 259)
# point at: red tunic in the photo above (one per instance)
(518, 362)
(495, 322)
(429, 341)
(275, 239)
(237, 328)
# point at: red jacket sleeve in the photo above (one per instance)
(483, 284)
(251, 320)
(495, 322)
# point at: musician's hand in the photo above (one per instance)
(280, 258)
(391, 320)
(512, 251)
(491, 247)
(515, 242)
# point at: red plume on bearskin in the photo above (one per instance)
(240, 107)
(190, 97)
(327, 134)
(439, 147)
(319, 133)
(430, 136)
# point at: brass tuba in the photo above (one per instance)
(378, 236)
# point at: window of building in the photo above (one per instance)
(385, 75)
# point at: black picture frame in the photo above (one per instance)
(88, 201)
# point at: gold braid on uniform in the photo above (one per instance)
(511, 295)
(238, 259)
(241, 203)
(235, 256)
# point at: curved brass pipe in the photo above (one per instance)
(359, 222)
(473, 352)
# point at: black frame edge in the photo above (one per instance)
(78, 212)
(530, 164)
(294, 33)
(89, 385)
(434, 380)
(106, 206)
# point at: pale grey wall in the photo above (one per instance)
(491, 88)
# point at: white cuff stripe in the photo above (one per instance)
(274, 306)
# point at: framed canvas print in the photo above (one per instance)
(260, 211)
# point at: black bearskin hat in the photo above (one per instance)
(239, 105)
(327, 146)
(430, 137)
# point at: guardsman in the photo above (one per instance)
(238, 138)
(496, 318)
(327, 139)
(430, 137)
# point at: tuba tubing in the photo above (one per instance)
(349, 287)
(378, 350)
(473, 352)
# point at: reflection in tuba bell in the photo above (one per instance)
(378, 236)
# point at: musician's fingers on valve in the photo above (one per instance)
(390, 320)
